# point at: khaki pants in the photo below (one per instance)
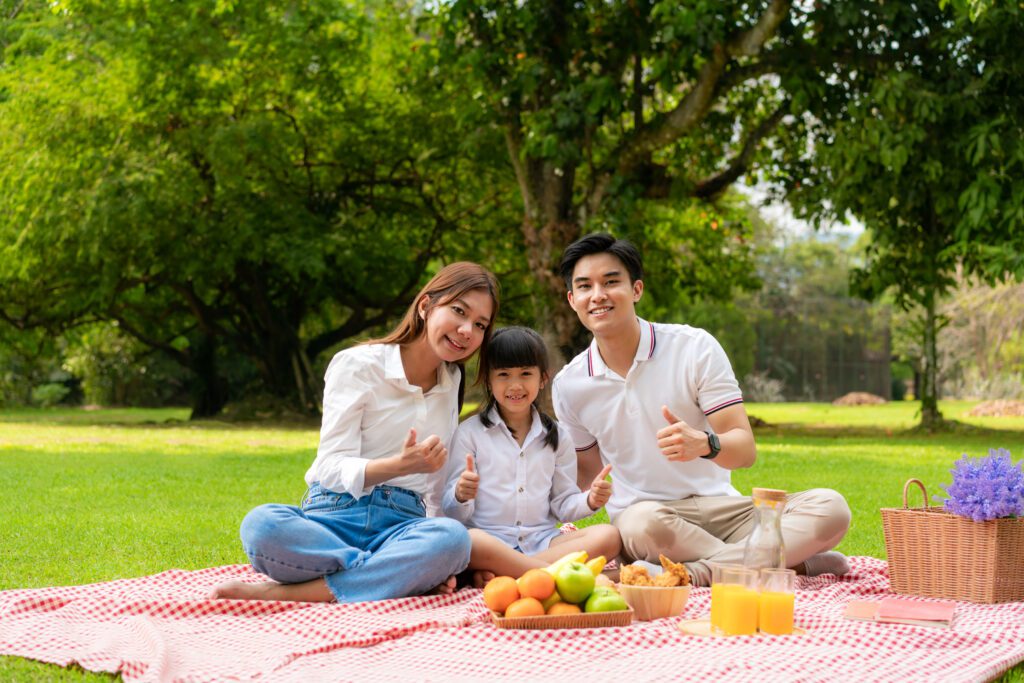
(712, 529)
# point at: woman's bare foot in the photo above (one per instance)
(310, 591)
(240, 590)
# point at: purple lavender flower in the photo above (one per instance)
(986, 488)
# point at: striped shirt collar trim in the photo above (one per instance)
(644, 350)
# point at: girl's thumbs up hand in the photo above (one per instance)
(469, 480)
(600, 490)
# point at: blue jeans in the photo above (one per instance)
(379, 546)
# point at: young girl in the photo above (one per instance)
(519, 476)
(362, 532)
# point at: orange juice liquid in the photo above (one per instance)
(716, 606)
(776, 613)
(740, 607)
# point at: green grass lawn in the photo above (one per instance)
(100, 495)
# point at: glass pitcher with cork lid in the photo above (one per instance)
(764, 548)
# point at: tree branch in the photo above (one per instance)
(670, 126)
(177, 354)
(716, 184)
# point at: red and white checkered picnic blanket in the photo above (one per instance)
(160, 628)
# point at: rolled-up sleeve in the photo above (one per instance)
(339, 465)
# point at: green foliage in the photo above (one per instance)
(115, 369)
(216, 177)
(47, 395)
(929, 155)
(27, 360)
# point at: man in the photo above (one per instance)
(661, 405)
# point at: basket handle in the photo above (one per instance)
(906, 487)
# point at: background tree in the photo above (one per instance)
(607, 107)
(930, 157)
(226, 179)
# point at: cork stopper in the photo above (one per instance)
(776, 495)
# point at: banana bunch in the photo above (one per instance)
(595, 565)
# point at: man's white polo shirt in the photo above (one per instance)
(679, 366)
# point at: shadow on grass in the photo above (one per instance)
(947, 429)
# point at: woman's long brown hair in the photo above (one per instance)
(449, 284)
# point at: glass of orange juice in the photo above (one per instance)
(734, 601)
(717, 587)
(776, 601)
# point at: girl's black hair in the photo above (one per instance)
(516, 347)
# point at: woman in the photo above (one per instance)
(362, 532)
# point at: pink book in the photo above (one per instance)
(901, 611)
(899, 608)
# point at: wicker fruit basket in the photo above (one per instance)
(937, 554)
(581, 620)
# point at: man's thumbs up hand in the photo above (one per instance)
(679, 441)
(669, 417)
(469, 481)
(600, 490)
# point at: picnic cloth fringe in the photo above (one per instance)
(160, 628)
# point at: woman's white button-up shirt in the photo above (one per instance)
(369, 407)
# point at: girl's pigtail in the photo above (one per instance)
(485, 412)
(551, 435)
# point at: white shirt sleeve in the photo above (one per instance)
(713, 378)
(461, 444)
(340, 466)
(580, 437)
(568, 503)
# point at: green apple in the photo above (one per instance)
(574, 581)
(605, 599)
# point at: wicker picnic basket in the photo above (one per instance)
(936, 554)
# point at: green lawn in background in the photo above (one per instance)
(99, 495)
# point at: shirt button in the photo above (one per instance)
(518, 523)
(521, 455)
(520, 489)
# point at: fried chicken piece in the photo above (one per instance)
(666, 580)
(675, 569)
(635, 575)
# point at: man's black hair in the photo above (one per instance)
(601, 243)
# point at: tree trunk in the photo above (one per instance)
(287, 373)
(931, 418)
(209, 389)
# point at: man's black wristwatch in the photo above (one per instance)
(713, 444)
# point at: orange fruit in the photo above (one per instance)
(564, 608)
(536, 583)
(500, 592)
(525, 607)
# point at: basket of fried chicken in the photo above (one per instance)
(655, 597)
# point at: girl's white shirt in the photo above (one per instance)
(369, 407)
(524, 491)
